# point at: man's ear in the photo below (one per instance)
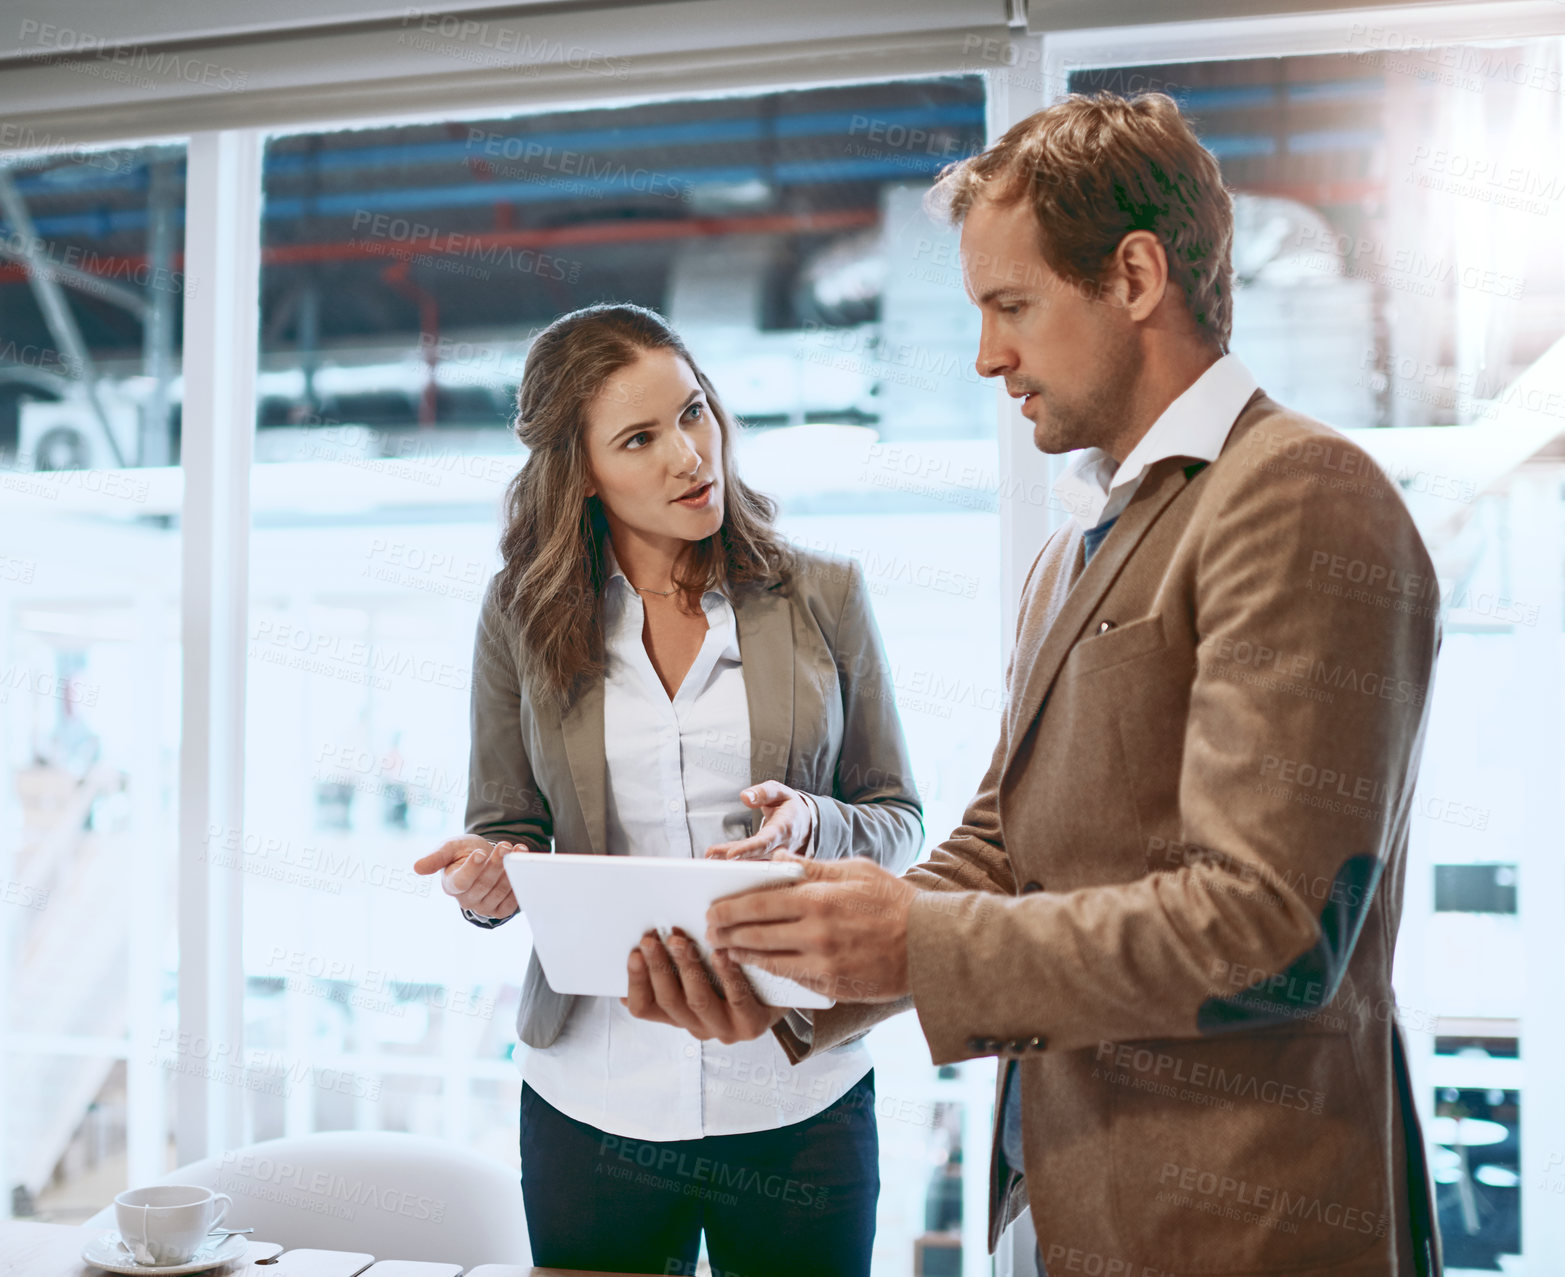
(1140, 273)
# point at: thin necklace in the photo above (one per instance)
(662, 593)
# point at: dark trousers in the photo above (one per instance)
(799, 1199)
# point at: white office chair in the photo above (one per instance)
(393, 1196)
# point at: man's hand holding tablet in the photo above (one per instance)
(842, 930)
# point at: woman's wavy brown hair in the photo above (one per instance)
(555, 535)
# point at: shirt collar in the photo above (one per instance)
(612, 570)
(715, 603)
(1197, 424)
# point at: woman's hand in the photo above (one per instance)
(668, 985)
(789, 820)
(474, 874)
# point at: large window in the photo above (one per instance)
(404, 273)
(91, 292)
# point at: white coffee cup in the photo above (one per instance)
(167, 1223)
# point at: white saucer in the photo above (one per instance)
(105, 1252)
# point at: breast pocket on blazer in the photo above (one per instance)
(1115, 646)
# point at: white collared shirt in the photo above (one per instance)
(1094, 488)
(671, 794)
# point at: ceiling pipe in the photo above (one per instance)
(618, 232)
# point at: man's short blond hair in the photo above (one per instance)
(1094, 168)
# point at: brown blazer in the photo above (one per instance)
(823, 719)
(1174, 899)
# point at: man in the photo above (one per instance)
(1171, 907)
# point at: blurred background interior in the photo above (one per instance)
(1401, 265)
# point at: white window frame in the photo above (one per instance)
(222, 274)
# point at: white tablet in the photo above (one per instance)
(588, 912)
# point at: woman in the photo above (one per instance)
(651, 648)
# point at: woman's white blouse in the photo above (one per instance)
(675, 769)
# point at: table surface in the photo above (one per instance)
(54, 1250)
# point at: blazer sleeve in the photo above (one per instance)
(973, 858)
(504, 803)
(1148, 958)
(874, 808)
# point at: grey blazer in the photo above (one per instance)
(823, 719)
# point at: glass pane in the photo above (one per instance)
(1399, 277)
(405, 271)
(91, 290)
